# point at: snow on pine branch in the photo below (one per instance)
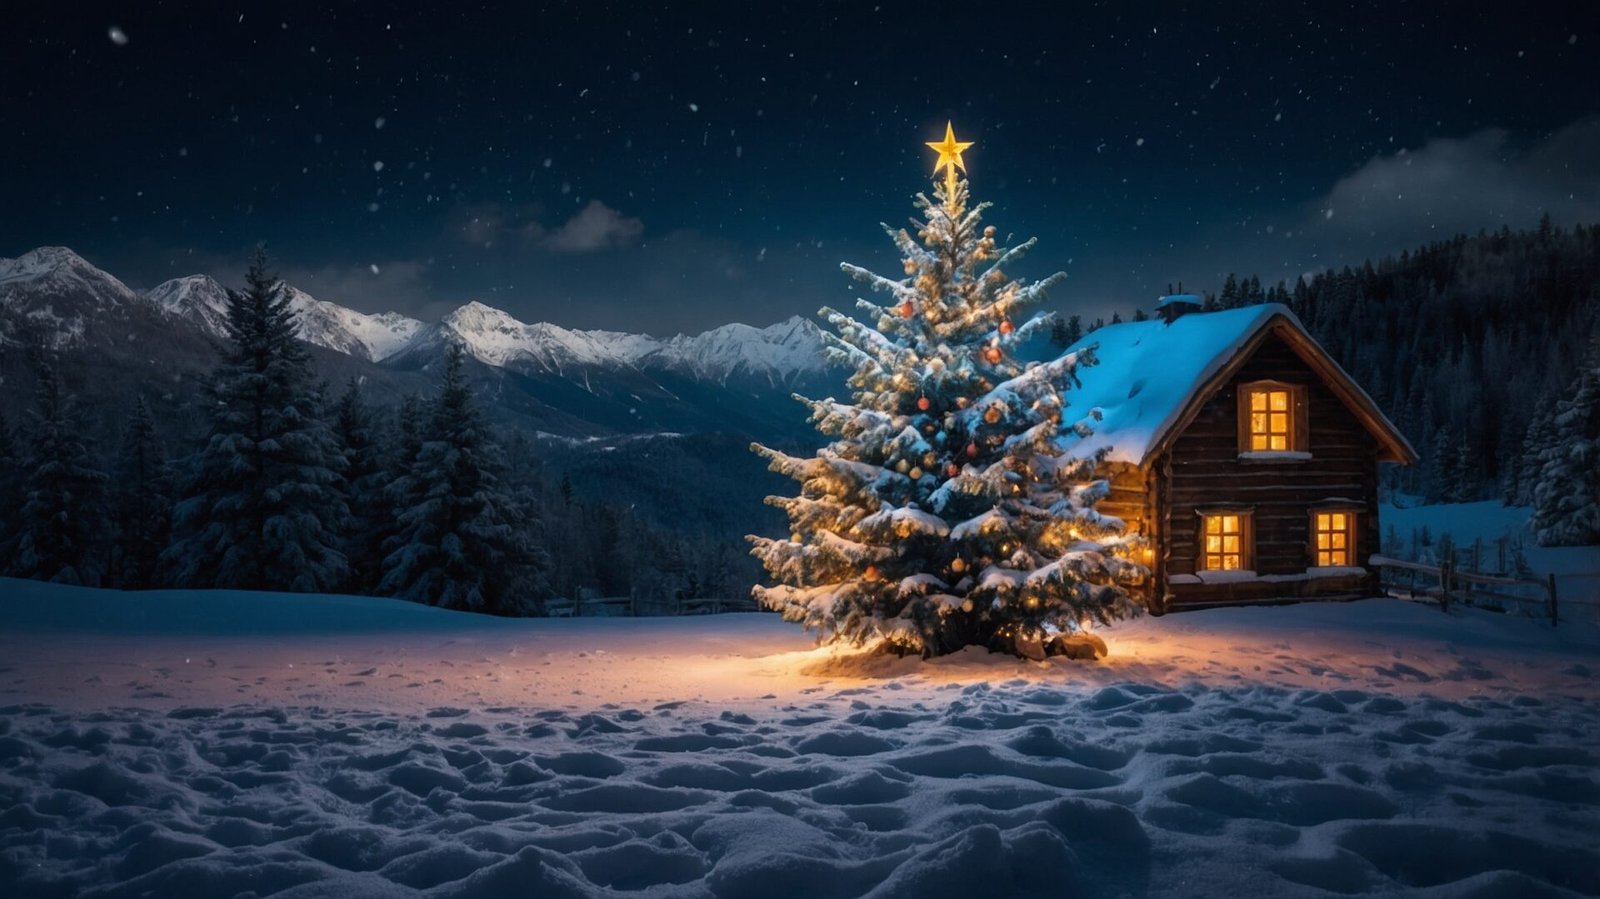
(902, 521)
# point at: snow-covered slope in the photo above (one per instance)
(202, 300)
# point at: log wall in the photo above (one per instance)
(1206, 471)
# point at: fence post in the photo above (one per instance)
(1554, 619)
(1444, 584)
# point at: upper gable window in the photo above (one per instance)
(1272, 419)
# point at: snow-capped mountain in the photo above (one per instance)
(569, 382)
(777, 354)
(202, 300)
(197, 298)
(55, 286)
(353, 333)
(56, 293)
(493, 337)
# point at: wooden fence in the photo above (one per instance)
(1446, 584)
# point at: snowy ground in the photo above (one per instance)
(192, 744)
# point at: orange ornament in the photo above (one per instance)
(906, 309)
(923, 403)
(1006, 326)
(872, 572)
(952, 470)
(991, 355)
(991, 414)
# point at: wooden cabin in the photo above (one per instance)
(1244, 454)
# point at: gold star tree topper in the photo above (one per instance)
(949, 151)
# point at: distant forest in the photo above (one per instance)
(1467, 344)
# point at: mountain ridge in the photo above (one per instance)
(778, 354)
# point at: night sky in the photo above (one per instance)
(607, 165)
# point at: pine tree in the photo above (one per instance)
(1230, 297)
(949, 509)
(1530, 462)
(260, 505)
(365, 478)
(1074, 330)
(10, 489)
(141, 504)
(1566, 501)
(62, 524)
(462, 542)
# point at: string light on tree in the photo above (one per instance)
(938, 516)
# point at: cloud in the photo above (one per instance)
(1482, 180)
(491, 224)
(379, 286)
(1392, 202)
(595, 227)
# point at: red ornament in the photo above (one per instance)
(952, 470)
(872, 572)
(923, 403)
(991, 355)
(972, 450)
(1005, 326)
(906, 309)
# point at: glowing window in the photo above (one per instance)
(1226, 547)
(1334, 533)
(1271, 425)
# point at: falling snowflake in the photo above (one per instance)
(373, 267)
(379, 122)
(120, 37)
(377, 166)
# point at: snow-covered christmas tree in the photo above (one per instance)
(950, 508)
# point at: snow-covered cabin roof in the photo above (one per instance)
(1154, 376)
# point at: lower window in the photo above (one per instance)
(1333, 535)
(1226, 541)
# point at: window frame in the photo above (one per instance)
(1246, 534)
(1351, 532)
(1298, 435)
